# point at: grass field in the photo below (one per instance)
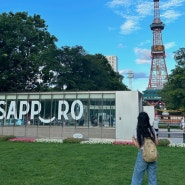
(82, 164)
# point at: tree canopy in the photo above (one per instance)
(77, 70)
(23, 42)
(31, 61)
(173, 92)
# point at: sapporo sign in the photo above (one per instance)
(35, 107)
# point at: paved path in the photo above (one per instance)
(175, 135)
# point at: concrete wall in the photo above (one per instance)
(151, 112)
(58, 132)
(128, 106)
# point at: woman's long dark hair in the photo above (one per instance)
(144, 129)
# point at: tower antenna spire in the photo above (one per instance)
(158, 72)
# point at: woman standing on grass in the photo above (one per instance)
(144, 129)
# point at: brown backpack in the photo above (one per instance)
(150, 153)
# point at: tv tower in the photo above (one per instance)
(130, 77)
(158, 72)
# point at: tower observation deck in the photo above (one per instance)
(158, 71)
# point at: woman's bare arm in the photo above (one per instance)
(135, 142)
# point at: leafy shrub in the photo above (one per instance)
(73, 140)
(164, 142)
(22, 139)
(123, 143)
(6, 138)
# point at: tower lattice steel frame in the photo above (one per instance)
(158, 71)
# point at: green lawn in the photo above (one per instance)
(82, 164)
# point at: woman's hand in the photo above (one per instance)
(135, 142)
(156, 140)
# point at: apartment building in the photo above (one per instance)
(113, 61)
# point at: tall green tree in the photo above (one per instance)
(173, 92)
(24, 46)
(80, 71)
(30, 60)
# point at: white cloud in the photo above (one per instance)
(144, 9)
(170, 15)
(132, 12)
(142, 61)
(145, 42)
(141, 9)
(123, 71)
(140, 75)
(169, 10)
(171, 4)
(137, 75)
(170, 55)
(143, 56)
(169, 45)
(118, 3)
(129, 26)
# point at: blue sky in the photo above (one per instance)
(111, 27)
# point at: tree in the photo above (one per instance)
(80, 71)
(24, 46)
(30, 60)
(173, 92)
